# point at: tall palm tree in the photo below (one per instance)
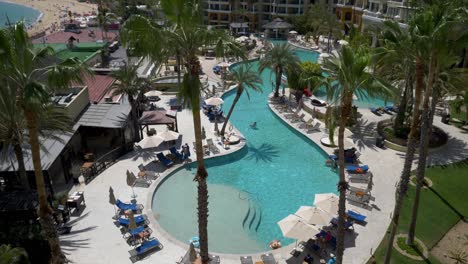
(130, 85)
(446, 37)
(185, 34)
(350, 69)
(28, 70)
(245, 78)
(278, 59)
(418, 46)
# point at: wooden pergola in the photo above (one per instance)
(158, 117)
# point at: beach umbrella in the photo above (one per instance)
(203, 132)
(328, 202)
(215, 101)
(150, 142)
(292, 32)
(131, 220)
(169, 135)
(192, 253)
(343, 42)
(313, 215)
(153, 93)
(112, 199)
(295, 227)
(130, 182)
(324, 55)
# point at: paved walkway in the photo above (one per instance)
(95, 239)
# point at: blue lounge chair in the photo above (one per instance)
(139, 220)
(347, 159)
(390, 108)
(167, 162)
(376, 111)
(348, 223)
(132, 233)
(356, 216)
(357, 168)
(145, 247)
(177, 154)
(126, 206)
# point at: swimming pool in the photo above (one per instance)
(250, 190)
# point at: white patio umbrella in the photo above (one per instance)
(153, 93)
(241, 38)
(295, 227)
(328, 202)
(168, 135)
(313, 215)
(150, 142)
(224, 64)
(215, 101)
(343, 42)
(324, 55)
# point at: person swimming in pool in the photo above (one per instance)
(253, 125)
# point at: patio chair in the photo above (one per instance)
(356, 216)
(297, 118)
(212, 146)
(167, 162)
(315, 128)
(145, 248)
(130, 234)
(128, 206)
(215, 259)
(177, 154)
(376, 111)
(358, 198)
(357, 168)
(268, 259)
(139, 220)
(150, 175)
(308, 121)
(294, 114)
(246, 260)
(141, 181)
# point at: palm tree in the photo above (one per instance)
(278, 59)
(130, 85)
(350, 69)
(245, 78)
(12, 255)
(185, 34)
(27, 70)
(445, 39)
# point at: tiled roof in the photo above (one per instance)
(84, 36)
(98, 86)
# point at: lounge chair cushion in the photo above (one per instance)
(147, 245)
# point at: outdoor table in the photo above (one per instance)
(75, 200)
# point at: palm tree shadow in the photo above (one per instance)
(364, 133)
(447, 203)
(68, 243)
(265, 153)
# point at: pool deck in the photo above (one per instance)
(95, 239)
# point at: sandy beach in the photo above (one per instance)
(52, 10)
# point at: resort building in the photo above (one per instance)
(363, 13)
(250, 16)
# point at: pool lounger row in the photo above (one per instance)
(266, 258)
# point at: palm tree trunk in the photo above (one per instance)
(45, 212)
(202, 173)
(21, 168)
(223, 129)
(342, 184)
(134, 119)
(279, 72)
(411, 148)
(400, 117)
(423, 147)
(178, 69)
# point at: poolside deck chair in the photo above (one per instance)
(167, 162)
(139, 220)
(358, 199)
(212, 146)
(176, 153)
(357, 168)
(214, 259)
(268, 259)
(315, 128)
(150, 175)
(246, 260)
(131, 233)
(356, 216)
(360, 177)
(128, 206)
(141, 182)
(145, 248)
(376, 111)
(294, 114)
(390, 108)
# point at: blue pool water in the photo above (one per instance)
(14, 13)
(251, 190)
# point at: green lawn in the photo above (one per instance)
(439, 210)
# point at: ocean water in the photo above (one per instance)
(13, 13)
